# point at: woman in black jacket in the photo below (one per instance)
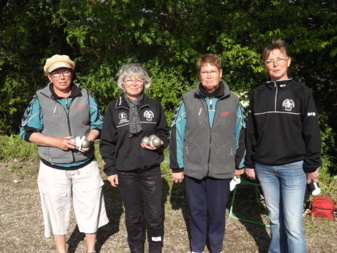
(283, 147)
(132, 165)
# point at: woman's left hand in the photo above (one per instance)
(238, 173)
(312, 177)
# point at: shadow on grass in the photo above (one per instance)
(178, 201)
(248, 207)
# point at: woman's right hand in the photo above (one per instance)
(178, 177)
(113, 179)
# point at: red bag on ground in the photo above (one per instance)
(322, 207)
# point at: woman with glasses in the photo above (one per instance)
(68, 168)
(283, 147)
(131, 164)
(206, 150)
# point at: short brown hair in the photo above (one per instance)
(211, 59)
(275, 44)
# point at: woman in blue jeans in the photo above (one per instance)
(283, 147)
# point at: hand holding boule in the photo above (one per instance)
(145, 140)
(156, 142)
(152, 142)
(86, 143)
(72, 139)
(82, 143)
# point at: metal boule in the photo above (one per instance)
(145, 140)
(86, 143)
(152, 136)
(156, 142)
(72, 139)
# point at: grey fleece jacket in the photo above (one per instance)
(202, 148)
(74, 121)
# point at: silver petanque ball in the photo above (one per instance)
(152, 136)
(86, 143)
(72, 139)
(156, 141)
(145, 140)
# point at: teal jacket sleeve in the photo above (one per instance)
(240, 133)
(96, 120)
(177, 139)
(32, 120)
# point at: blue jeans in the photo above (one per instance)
(284, 188)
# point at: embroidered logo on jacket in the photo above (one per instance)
(148, 114)
(224, 113)
(80, 107)
(288, 104)
(123, 118)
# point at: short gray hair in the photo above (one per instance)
(133, 70)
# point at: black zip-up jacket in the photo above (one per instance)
(123, 153)
(283, 126)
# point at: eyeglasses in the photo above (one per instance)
(65, 73)
(212, 73)
(277, 60)
(130, 82)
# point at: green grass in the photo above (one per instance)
(14, 148)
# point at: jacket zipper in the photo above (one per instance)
(276, 94)
(210, 130)
(68, 120)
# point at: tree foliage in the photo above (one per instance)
(166, 36)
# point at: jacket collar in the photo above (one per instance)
(280, 83)
(75, 90)
(48, 91)
(121, 102)
(224, 90)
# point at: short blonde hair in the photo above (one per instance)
(133, 70)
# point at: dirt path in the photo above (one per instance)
(22, 228)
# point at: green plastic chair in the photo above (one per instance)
(257, 196)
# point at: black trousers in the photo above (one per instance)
(147, 187)
(207, 199)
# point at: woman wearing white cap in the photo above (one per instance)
(59, 119)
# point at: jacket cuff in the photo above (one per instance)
(110, 171)
(177, 170)
(310, 170)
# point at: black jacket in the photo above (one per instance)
(283, 126)
(123, 153)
